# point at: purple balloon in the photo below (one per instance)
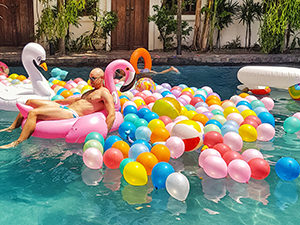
(166, 85)
(176, 92)
(208, 114)
(182, 100)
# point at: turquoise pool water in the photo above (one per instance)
(46, 182)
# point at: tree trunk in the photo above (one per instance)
(197, 28)
(61, 41)
(205, 32)
(288, 36)
(218, 44)
(212, 27)
(249, 36)
(246, 36)
(179, 26)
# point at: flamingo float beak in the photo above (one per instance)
(129, 82)
(44, 66)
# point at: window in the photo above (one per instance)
(189, 6)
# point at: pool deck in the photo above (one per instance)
(12, 57)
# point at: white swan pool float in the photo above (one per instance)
(33, 54)
(273, 76)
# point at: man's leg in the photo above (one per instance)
(172, 68)
(42, 113)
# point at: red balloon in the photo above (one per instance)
(140, 94)
(195, 100)
(54, 86)
(165, 119)
(260, 168)
(250, 122)
(142, 106)
(187, 93)
(176, 87)
(222, 148)
(255, 118)
(150, 99)
(212, 138)
(231, 155)
(112, 158)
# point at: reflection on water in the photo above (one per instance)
(286, 193)
(91, 177)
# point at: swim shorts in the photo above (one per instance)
(75, 114)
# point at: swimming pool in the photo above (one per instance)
(46, 182)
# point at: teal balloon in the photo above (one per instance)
(291, 125)
(124, 163)
(190, 107)
(57, 97)
(217, 112)
(131, 117)
(257, 103)
(143, 133)
(95, 136)
(140, 122)
(93, 144)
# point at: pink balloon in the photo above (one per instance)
(297, 115)
(233, 140)
(213, 107)
(92, 158)
(202, 109)
(215, 167)
(268, 102)
(207, 152)
(165, 119)
(239, 170)
(235, 117)
(170, 126)
(176, 146)
(251, 154)
(250, 98)
(265, 132)
(112, 158)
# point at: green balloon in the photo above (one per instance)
(291, 125)
(131, 117)
(211, 127)
(140, 122)
(257, 103)
(217, 112)
(94, 144)
(95, 136)
(124, 163)
(57, 97)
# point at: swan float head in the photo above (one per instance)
(109, 74)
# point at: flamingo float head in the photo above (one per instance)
(35, 52)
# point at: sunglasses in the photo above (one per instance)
(95, 78)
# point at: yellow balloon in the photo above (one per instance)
(86, 88)
(55, 81)
(13, 76)
(155, 123)
(139, 102)
(227, 103)
(248, 112)
(189, 90)
(229, 110)
(219, 118)
(248, 133)
(190, 114)
(183, 110)
(135, 174)
(167, 107)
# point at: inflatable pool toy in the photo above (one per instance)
(294, 91)
(141, 52)
(4, 68)
(58, 73)
(145, 84)
(261, 90)
(75, 130)
(32, 54)
(278, 77)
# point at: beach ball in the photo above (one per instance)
(287, 168)
(248, 133)
(135, 174)
(294, 91)
(145, 84)
(167, 107)
(190, 132)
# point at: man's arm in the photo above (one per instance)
(110, 108)
(67, 101)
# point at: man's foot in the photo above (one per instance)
(174, 69)
(8, 129)
(11, 145)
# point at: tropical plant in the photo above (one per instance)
(248, 12)
(167, 25)
(5, 6)
(234, 44)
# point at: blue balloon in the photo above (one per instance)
(61, 90)
(266, 117)
(124, 96)
(129, 109)
(110, 141)
(127, 130)
(229, 128)
(140, 122)
(217, 112)
(287, 168)
(200, 96)
(215, 122)
(150, 116)
(136, 150)
(201, 104)
(142, 112)
(141, 141)
(95, 136)
(232, 122)
(57, 97)
(244, 103)
(190, 107)
(143, 132)
(260, 109)
(164, 93)
(160, 173)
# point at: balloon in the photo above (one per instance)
(112, 158)
(233, 140)
(266, 117)
(230, 110)
(257, 103)
(211, 127)
(127, 130)
(239, 170)
(95, 136)
(212, 138)
(229, 128)
(207, 152)
(124, 163)
(166, 120)
(251, 154)
(92, 158)
(91, 177)
(215, 122)
(135, 174)
(148, 160)
(129, 109)
(155, 123)
(140, 122)
(231, 155)
(123, 147)
(200, 118)
(287, 168)
(110, 141)
(93, 144)
(291, 125)
(222, 148)
(178, 186)
(265, 132)
(159, 175)
(131, 117)
(159, 134)
(143, 132)
(142, 112)
(161, 152)
(248, 112)
(215, 167)
(235, 117)
(259, 110)
(250, 122)
(219, 118)
(248, 133)
(176, 146)
(141, 141)
(260, 168)
(137, 149)
(150, 116)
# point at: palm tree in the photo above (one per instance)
(248, 13)
(4, 7)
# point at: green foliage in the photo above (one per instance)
(108, 22)
(234, 44)
(167, 25)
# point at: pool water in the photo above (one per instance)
(45, 181)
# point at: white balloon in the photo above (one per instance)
(178, 186)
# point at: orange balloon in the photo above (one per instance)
(148, 160)
(212, 97)
(66, 93)
(21, 77)
(123, 100)
(159, 134)
(200, 118)
(61, 83)
(161, 152)
(243, 95)
(123, 147)
(213, 102)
